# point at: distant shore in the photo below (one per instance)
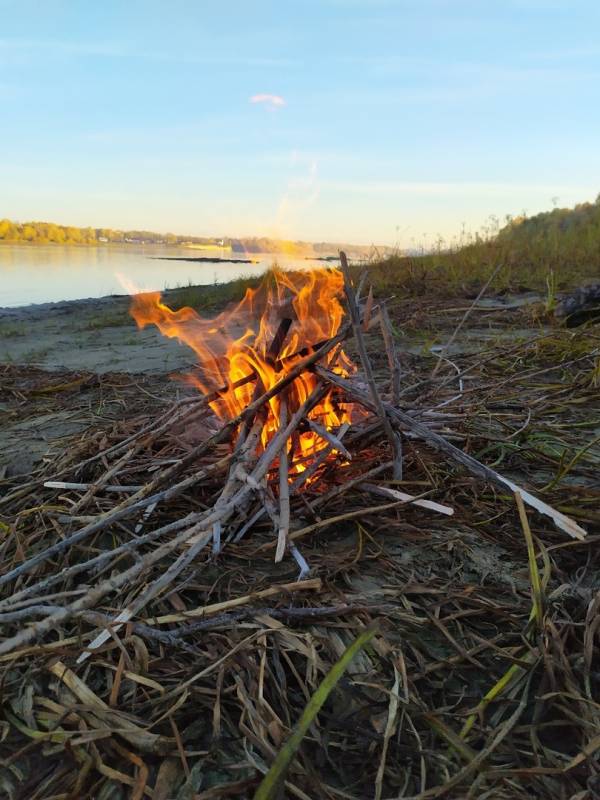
(208, 259)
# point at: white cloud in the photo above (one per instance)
(271, 100)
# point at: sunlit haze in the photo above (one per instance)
(386, 122)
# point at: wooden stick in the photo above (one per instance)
(366, 363)
(216, 608)
(284, 488)
(236, 537)
(464, 319)
(97, 485)
(390, 349)
(82, 487)
(332, 439)
(368, 309)
(244, 454)
(384, 491)
(347, 485)
(271, 357)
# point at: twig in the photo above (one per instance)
(366, 363)
(337, 491)
(82, 487)
(98, 485)
(408, 498)
(466, 315)
(390, 349)
(334, 441)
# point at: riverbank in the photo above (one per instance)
(95, 334)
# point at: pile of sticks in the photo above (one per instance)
(256, 484)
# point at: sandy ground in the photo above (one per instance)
(95, 334)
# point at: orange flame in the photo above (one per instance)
(238, 343)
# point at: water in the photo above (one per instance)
(42, 274)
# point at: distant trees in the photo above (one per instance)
(50, 233)
(45, 233)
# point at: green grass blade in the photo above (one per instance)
(270, 783)
(534, 575)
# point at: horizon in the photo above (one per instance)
(341, 121)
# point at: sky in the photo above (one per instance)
(388, 121)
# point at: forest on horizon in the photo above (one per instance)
(12, 232)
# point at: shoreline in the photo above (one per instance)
(97, 333)
(94, 333)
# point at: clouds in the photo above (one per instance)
(270, 100)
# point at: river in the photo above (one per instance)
(43, 274)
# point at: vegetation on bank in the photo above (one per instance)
(50, 233)
(549, 252)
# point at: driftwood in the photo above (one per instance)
(580, 306)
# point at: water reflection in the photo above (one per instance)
(40, 274)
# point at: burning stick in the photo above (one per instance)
(334, 441)
(284, 488)
(271, 358)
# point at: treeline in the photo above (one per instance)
(51, 233)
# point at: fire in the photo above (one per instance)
(262, 336)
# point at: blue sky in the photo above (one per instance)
(354, 120)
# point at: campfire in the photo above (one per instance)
(292, 408)
(248, 349)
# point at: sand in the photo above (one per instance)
(93, 334)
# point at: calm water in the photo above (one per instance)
(39, 274)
